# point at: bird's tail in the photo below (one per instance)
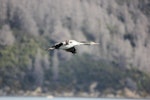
(51, 48)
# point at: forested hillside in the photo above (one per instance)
(119, 64)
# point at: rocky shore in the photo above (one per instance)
(108, 93)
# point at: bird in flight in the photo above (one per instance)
(69, 45)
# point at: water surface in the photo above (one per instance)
(60, 98)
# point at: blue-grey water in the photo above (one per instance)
(60, 98)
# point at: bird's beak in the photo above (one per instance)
(93, 43)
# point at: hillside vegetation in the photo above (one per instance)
(122, 60)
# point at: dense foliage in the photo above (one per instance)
(28, 27)
(81, 72)
(21, 59)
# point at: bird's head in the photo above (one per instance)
(72, 42)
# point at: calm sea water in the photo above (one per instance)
(60, 98)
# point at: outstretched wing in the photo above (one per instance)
(72, 50)
(58, 45)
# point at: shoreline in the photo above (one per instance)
(125, 93)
